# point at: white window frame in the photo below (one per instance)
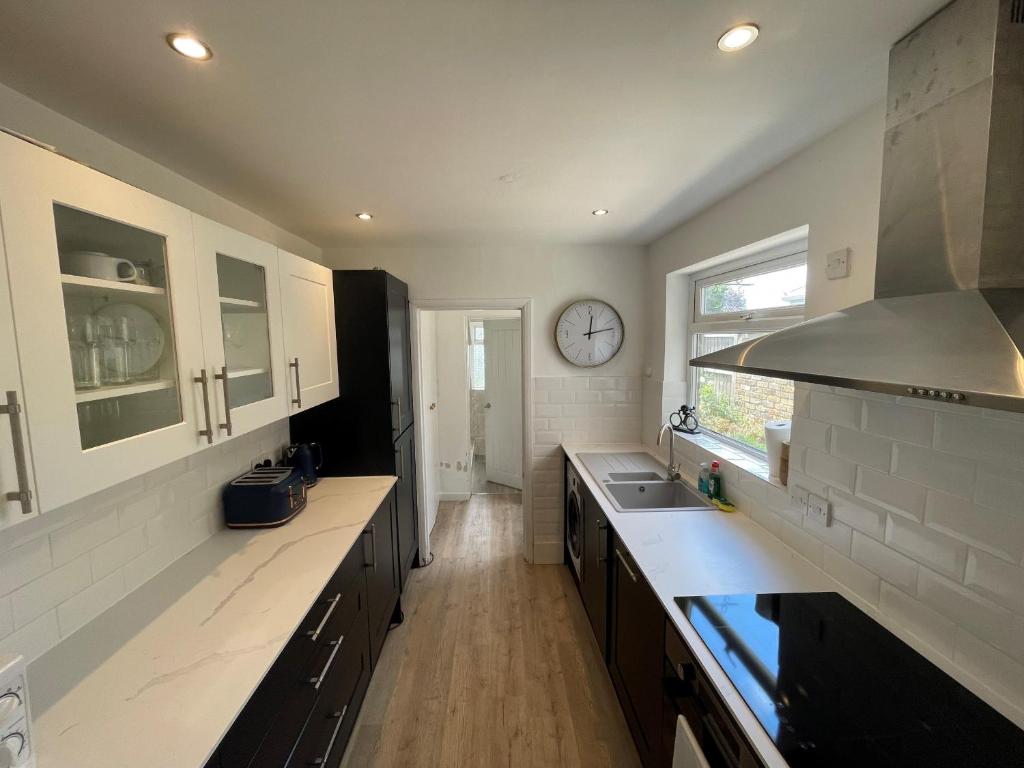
(747, 321)
(470, 322)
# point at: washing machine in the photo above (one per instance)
(574, 520)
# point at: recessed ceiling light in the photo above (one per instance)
(600, 212)
(189, 46)
(738, 38)
(364, 216)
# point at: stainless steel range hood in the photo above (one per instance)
(947, 320)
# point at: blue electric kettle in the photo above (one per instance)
(301, 457)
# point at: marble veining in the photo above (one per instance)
(158, 679)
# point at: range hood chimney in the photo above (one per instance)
(947, 320)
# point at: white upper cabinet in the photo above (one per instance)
(239, 296)
(18, 498)
(104, 292)
(310, 340)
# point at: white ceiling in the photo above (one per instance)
(458, 121)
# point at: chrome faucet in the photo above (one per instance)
(673, 468)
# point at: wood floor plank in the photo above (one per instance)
(495, 664)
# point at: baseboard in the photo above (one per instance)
(548, 552)
(453, 497)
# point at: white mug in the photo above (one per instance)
(102, 266)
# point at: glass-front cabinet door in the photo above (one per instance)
(103, 286)
(242, 335)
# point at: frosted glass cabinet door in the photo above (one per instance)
(310, 338)
(16, 477)
(103, 287)
(239, 297)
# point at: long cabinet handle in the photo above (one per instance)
(315, 633)
(372, 530)
(602, 551)
(340, 715)
(24, 494)
(317, 681)
(401, 463)
(204, 380)
(223, 378)
(297, 400)
(622, 559)
(397, 429)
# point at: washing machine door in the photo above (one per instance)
(574, 525)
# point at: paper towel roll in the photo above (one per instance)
(775, 434)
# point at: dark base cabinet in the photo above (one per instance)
(592, 527)
(636, 653)
(304, 711)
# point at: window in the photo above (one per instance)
(734, 304)
(476, 355)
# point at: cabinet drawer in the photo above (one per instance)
(329, 726)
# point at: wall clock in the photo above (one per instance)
(589, 333)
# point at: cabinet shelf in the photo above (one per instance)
(239, 373)
(241, 305)
(138, 388)
(91, 286)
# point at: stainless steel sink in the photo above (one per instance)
(654, 496)
(632, 477)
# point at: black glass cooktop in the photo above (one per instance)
(832, 687)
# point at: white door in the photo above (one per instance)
(310, 338)
(103, 288)
(239, 298)
(503, 407)
(429, 420)
(15, 464)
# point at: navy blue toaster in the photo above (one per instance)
(265, 497)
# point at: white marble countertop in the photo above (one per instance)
(158, 679)
(705, 552)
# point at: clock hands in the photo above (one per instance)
(591, 332)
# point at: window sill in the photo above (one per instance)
(748, 462)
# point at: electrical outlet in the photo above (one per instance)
(798, 497)
(820, 509)
(260, 459)
(837, 264)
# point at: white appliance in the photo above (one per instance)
(16, 748)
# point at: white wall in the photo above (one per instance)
(832, 186)
(28, 117)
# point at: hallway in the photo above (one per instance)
(495, 664)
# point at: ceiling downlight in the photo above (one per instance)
(738, 38)
(364, 216)
(189, 46)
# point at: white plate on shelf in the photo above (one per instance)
(149, 336)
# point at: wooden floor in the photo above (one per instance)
(495, 664)
(480, 483)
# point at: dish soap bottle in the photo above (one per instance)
(703, 477)
(715, 481)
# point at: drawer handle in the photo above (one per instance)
(315, 633)
(602, 548)
(316, 682)
(625, 565)
(334, 736)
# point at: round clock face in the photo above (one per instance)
(589, 333)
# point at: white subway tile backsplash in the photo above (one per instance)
(941, 471)
(997, 579)
(63, 569)
(894, 568)
(992, 667)
(810, 433)
(836, 409)
(999, 531)
(899, 422)
(838, 536)
(858, 514)
(802, 542)
(831, 470)
(966, 608)
(859, 580)
(928, 624)
(935, 549)
(1001, 441)
(1000, 488)
(861, 448)
(891, 493)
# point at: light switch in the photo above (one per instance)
(820, 509)
(798, 498)
(837, 264)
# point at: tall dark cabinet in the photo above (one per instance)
(370, 428)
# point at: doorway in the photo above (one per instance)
(471, 367)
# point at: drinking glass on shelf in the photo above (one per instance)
(114, 349)
(83, 339)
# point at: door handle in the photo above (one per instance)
(223, 378)
(315, 633)
(24, 493)
(625, 565)
(372, 530)
(487, 406)
(297, 400)
(334, 737)
(203, 380)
